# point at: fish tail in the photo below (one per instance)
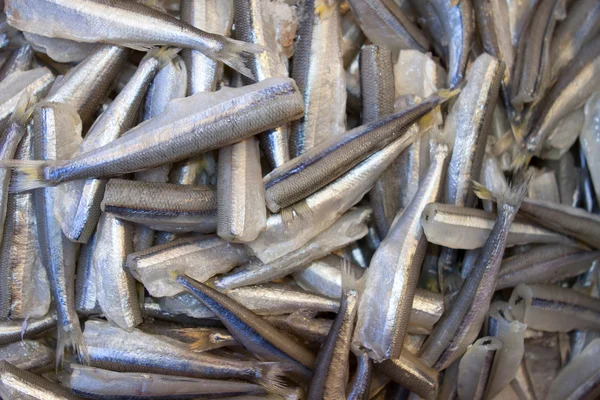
(349, 277)
(270, 376)
(447, 94)
(28, 174)
(512, 196)
(237, 55)
(163, 55)
(70, 338)
(24, 108)
(201, 341)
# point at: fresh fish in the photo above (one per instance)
(200, 257)
(377, 91)
(554, 309)
(532, 67)
(570, 92)
(254, 24)
(157, 309)
(330, 159)
(27, 290)
(519, 13)
(57, 130)
(242, 213)
(16, 383)
(167, 138)
(383, 321)
(579, 379)
(428, 20)
(469, 228)
(318, 69)
(162, 206)
(410, 372)
(347, 229)
(449, 389)
(19, 60)
(475, 368)
(13, 331)
(136, 351)
(427, 308)
(60, 50)
(255, 334)
(589, 139)
(359, 385)
(302, 325)
(460, 324)
(492, 177)
(330, 377)
(563, 136)
(386, 24)
(27, 354)
(507, 361)
(123, 23)
(91, 383)
(86, 294)
(582, 24)
(199, 338)
(324, 276)
(544, 264)
(568, 177)
(352, 38)
(115, 287)
(543, 186)
(80, 210)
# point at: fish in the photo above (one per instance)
(330, 376)
(382, 323)
(522, 384)
(544, 264)
(255, 334)
(324, 276)
(519, 13)
(588, 139)
(254, 24)
(60, 50)
(352, 38)
(360, 383)
(554, 309)
(13, 331)
(90, 382)
(475, 368)
(408, 371)
(187, 127)
(347, 229)
(318, 69)
(386, 24)
(136, 351)
(80, 210)
(57, 130)
(461, 323)
(492, 176)
(563, 136)
(327, 161)
(83, 21)
(303, 325)
(86, 293)
(16, 383)
(162, 206)
(543, 186)
(20, 60)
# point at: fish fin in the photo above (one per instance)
(163, 55)
(503, 143)
(349, 278)
(447, 94)
(71, 338)
(236, 54)
(521, 159)
(271, 376)
(24, 327)
(29, 174)
(201, 341)
(481, 191)
(24, 108)
(511, 196)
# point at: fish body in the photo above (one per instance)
(86, 293)
(16, 383)
(13, 331)
(20, 60)
(475, 368)
(410, 372)
(27, 354)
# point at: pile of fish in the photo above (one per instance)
(300, 199)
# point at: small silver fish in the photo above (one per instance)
(16, 383)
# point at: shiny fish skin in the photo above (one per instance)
(200, 257)
(589, 140)
(385, 305)
(162, 206)
(254, 24)
(18, 384)
(303, 325)
(187, 127)
(319, 71)
(27, 354)
(410, 372)
(359, 386)
(324, 276)
(80, 211)
(86, 295)
(125, 23)
(12, 331)
(325, 162)
(352, 38)
(60, 50)
(19, 60)
(475, 368)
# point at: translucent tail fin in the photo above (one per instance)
(70, 338)
(238, 55)
(28, 174)
(270, 376)
(512, 196)
(163, 55)
(24, 108)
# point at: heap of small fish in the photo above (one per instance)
(315, 199)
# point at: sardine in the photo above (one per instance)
(27, 354)
(20, 60)
(86, 294)
(460, 324)
(327, 161)
(352, 38)
(385, 305)
(360, 384)
(544, 264)
(385, 24)
(589, 139)
(554, 309)
(475, 368)
(563, 136)
(162, 206)
(80, 210)
(303, 325)
(492, 177)
(60, 50)
(410, 372)
(318, 70)
(13, 331)
(519, 14)
(136, 351)
(324, 276)
(124, 23)
(347, 229)
(522, 384)
(187, 127)
(16, 383)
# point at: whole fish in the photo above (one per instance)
(187, 127)
(80, 210)
(57, 128)
(162, 206)
(254, 24)
(303, 325)
(327, 161)
(20, 60)
(86, 293)
(13, 331)
(383, 321)
(201, 257)
(475, 368)
(16, 383)
(124, 23)
(27, 354)
(410, 372)
(318, 69)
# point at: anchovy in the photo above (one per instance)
(123, 23)
(27, 354)
(19, 60)
(303, 325)
(360, 384)
(476, 366)
(410, 372)
(352, 38)
(400, 256)
(324, 276)
(519, 16)
(327, 161)
(86, 294)
(162, 206)
(554, 309)
(16, 383)
(13, 331)
(318, 69)
(60, 50)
